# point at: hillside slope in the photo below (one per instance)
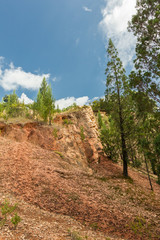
(60, 169)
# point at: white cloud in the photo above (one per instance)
(11, 78)
(82, 101)
(25, 99)
(86, 9)
(114, 24)
(66, 102)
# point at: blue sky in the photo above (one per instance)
(65, 41)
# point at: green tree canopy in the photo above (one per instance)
(45, 101)
(145, 25)
(116, 91)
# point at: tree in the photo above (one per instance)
(45, 102)
(157, 150)
(12, 105)
(145, 26)
(110, 139)
(116, 90)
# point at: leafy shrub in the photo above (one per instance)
(137, 163)
(67, 121)
(8, 209)
(15, 220)
(139, 225)
(55, 130)
(72, 107)
(100, 121)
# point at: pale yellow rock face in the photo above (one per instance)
(72, 135)
(79, 149)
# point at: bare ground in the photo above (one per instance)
(56, 197)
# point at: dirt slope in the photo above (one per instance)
(59, 172)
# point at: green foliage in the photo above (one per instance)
(145, 26)
(110, 140)
(15, 220)
(157, 152)
(136, 163)
(55, 131)
(72, 107)
(45, 102)
(158, 173)
(138, 224)
(6, 210)
(60, 154)
(103, 179)
(117, 91)
(140, 227)
(11, 107)
(98, 105)
(157, 145)
(82, 133)
(100, 122)
(67, 121)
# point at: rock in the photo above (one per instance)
(64, 136)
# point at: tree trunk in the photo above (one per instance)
(123, 142)
(148, 173)
(124, 154)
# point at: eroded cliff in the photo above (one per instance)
(73, 135)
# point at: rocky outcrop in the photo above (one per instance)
(78, 137)
(72, 135)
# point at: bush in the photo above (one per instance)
(15, 220)
(67, 121)
(6, 210)
(137, 163)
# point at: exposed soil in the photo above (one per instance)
(56, 194)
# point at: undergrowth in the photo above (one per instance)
(8, 211)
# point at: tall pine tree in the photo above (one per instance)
(45, 101)
(145, 25)
(116, 90)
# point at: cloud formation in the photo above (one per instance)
(115, 17)
(86, 9)
(12, 78)
(63, 102)
(24, 99)
(66, 102)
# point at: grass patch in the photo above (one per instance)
(103, 179)
(73, 196)
(140, 227)
(129, 179)
(60, 154)
(74, 235)
(55, 132)
(94, 226)
(8, 210)
(82, 133)
(67, 121)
